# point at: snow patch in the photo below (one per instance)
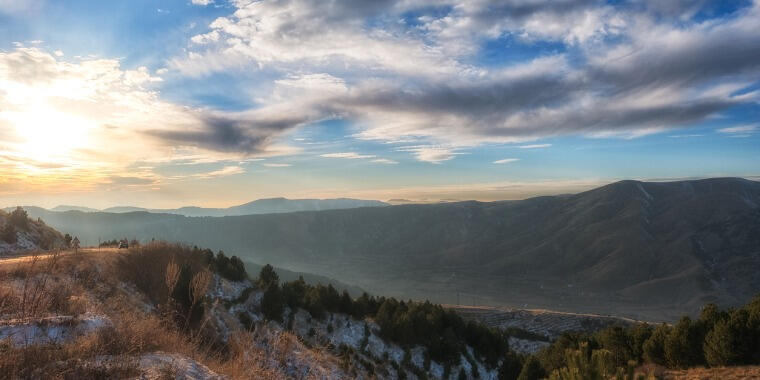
(50, 330)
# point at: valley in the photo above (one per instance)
(644, 250)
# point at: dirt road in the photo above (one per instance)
(18, 259)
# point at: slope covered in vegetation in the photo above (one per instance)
(19, 233)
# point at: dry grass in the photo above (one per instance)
(75, 284)
(723, 373)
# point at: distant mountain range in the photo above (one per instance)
(649, 250)
(261, 206)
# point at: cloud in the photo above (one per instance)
(534, 146)
(85, 121)
(131, 181)
(628, 70)
(223, 172)
(743, 129)
(274, 165)
(431, 154)
(202, 2)
(506, 160)
(385, 161)
(349, 155)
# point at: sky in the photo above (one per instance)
(220, 102)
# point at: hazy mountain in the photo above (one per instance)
(635, 248)
(261, 206)
(63, 208)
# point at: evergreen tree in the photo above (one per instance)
(9, 233)
(272, 303)
(683, 346)
(721, 345)
(510, 366)
(267, 276)
(19, 218)
(67, 240)
(730, 341)
(532, 370)
(654, 347)
(616, 340)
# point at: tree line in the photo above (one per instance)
(444, 333)
(717, 338)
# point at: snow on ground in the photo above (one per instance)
(51, 329)
(228, 290)
(334, 330)
(157, 365)
(23, 243)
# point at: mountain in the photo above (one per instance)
(261, 206)
(64, 208)
(648, 250)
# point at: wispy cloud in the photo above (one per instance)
(534, 146)
(742, 129)
(431, 154)
(506, 160)
(385, 161)
(348, 155)
(223, 172)
(276, 165)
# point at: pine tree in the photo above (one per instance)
(268, 276)
(532, 370)
(75, 244)
(9, 233)
(19, 218)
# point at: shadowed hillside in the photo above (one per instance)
(629, 247)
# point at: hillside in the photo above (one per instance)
(168, 311)
(20, 234)
(648, 250)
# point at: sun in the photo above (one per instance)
(48, 134)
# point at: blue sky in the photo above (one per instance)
(214, 103)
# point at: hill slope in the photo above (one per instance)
(647, 250)
(24, 234)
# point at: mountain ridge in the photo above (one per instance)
(631, 246)
(259, 206)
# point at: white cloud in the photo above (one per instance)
(77, 123)
(202, 2)
(635, 70)
(534, 146)
(223, 172)
(739, 129)
(431, 154)
(349, 155)
(506, 160)
(385, 161)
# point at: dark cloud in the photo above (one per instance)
(630, 67)
(230, 134)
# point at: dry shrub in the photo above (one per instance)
(38, 288)
(145, 267)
